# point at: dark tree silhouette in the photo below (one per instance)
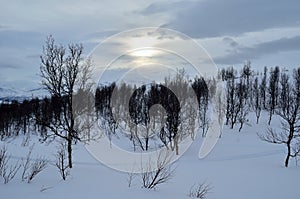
(263, 87)
(258, 99)
(273, 91)
(60, 68)
(200, 88)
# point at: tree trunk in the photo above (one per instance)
(270, 118)
(70, 152)
(71, 129)
(232, 125)
(288, 144)
(147, 138)
(241, 126)
(288, 155)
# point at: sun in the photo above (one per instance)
(144, 53)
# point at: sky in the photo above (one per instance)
(267, 33)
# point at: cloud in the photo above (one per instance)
(8, 65)
(17, 46)
(162, 34)
(20, 39)
(212, 18)
(242, 53)
(161, 7)
(33, 56)
(3, 26)
(230, 41)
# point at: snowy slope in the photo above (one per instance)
(19, 95)
(5, 92)
(240, 166)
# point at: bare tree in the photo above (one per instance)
(273, 90)
(204, 119)
(202, 93)
(61, 164)
(242, 109)
(234, 105)
(231, 104)
(32, 167)
(84, 101)
(9, 171)
(130, 178)
(26, 164)
(263, 87)
(257, 105)
(191, 117)
(246, 75)
(3, 157)
(60, 68)
(220, 104)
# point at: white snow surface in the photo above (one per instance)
(240, 166)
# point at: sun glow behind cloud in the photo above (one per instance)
(145, 56)
(145, 52)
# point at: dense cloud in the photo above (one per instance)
(242, 53)
(213, 18)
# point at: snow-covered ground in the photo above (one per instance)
(241, 166)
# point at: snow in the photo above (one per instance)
(239, 166)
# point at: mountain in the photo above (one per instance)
(4, 92)
(9, 94)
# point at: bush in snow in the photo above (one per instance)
(199, 190)
(163, 173)
(7, 171)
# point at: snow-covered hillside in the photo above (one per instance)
(8, 94)
(240, 166)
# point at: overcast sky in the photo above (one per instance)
(232, 31)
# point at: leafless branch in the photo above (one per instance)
(273, 137)
(162, 174)
(200, 190)
(7, 171)
(36, 167)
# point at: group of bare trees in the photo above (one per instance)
(239, 95)
(28, 117)
(276, 93)
(165, 111)
(252, 91)
(17, 117)
(247, 91)
(287, 107)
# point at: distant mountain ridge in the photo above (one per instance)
(10, 94)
